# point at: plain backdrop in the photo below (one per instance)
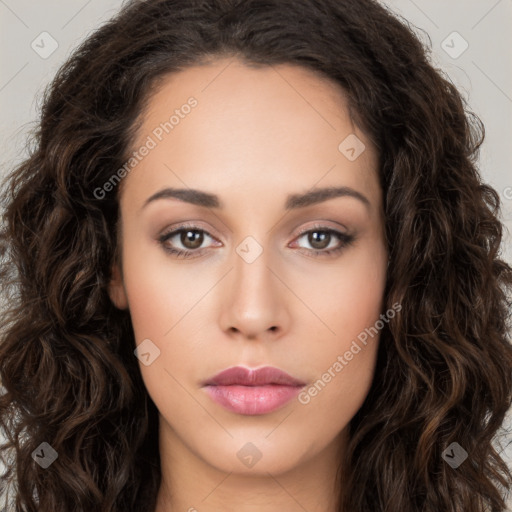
(471, 42)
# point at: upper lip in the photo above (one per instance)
(239, 375)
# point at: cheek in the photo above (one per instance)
(342, 365)
(330, 402)
(159, 294)
(349, 301)
(343, 358)
(166, 307)
(361, 289)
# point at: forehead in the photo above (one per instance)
(270, 126)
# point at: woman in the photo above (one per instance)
(174, 342)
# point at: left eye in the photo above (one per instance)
(192, 238)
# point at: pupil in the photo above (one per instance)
(317, 239)
(192, 239)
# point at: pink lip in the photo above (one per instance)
(252, 392)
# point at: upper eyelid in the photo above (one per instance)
(320, 227)
(179, 228)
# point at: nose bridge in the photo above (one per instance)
(255, 301)
(252, 272)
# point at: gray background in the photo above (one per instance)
(37, 37)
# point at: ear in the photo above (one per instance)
(116, 290)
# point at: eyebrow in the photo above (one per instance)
(293, 201)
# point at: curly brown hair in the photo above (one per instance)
(444, 364)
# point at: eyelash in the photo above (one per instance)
(345, 241)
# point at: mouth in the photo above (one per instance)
(253, 392)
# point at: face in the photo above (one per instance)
(267, 269)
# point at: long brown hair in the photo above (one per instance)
(66, 353)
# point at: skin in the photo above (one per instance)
(255, 136)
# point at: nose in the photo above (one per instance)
(255, 302)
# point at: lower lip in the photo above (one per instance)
(252, 400)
